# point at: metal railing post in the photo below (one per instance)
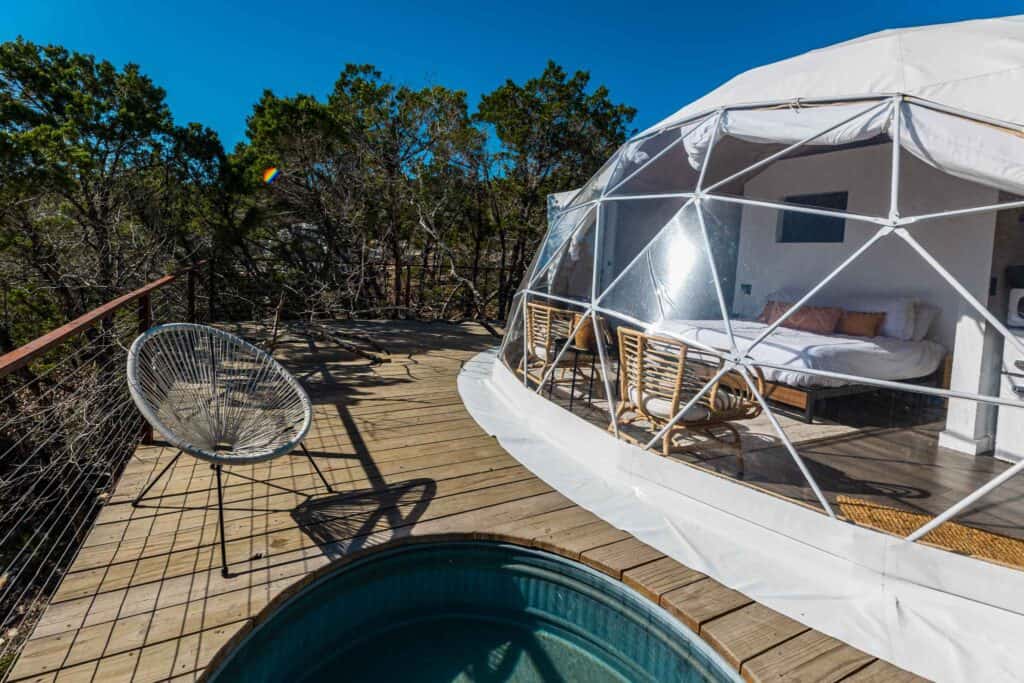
(146, 322)
(190, 293)
(408, 285)
(145, 313)
(211, 291)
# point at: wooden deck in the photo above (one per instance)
(145, 600)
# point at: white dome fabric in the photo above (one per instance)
(829, 184)
(971, 66)
(960, 85)
(655, 239)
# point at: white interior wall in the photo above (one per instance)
(628, 227)
(962, 244)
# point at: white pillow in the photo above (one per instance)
(899, 313)
(924, 316)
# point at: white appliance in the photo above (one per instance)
(1010, 427)
(1015, 313)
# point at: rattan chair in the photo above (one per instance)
(658, 376)
(546, 327)
(218, 398)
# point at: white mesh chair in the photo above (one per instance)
(218, 398)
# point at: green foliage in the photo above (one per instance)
(96, 181)
(554, 133)
(101, 190)
(346, 203)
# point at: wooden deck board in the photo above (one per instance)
(615, 558)
(575, 541)
(145, 600)
(882, 672)
(811, 656)
(749, 631)
(654, 579)
(701, 601)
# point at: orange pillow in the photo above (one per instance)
(858, 324)
(817, 319)
(773, 310)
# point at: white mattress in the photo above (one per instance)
(871, 357)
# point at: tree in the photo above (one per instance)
(398, 133)
(554, 135)
(307, 220)
(93, 174)
(349, 191)
(101, 190)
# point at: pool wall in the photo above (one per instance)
(383, 589)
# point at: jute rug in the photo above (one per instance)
(957, 538)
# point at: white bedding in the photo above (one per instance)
(872, 357)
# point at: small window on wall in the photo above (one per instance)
(797, 227)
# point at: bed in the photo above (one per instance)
(882, 358)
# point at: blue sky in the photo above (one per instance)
(215, 58)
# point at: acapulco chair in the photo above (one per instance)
(218, 398)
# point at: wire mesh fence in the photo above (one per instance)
(378, 290)
(67, 428)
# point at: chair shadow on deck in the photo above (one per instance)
(349, 522)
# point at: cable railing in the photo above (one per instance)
(435, 291)
(67, 428)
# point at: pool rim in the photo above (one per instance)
(309, 582)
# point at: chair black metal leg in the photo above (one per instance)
(220, 520)
(590, 383)
(138, 498)
(316, 467)
(572, 385)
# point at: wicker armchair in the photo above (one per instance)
(546, 327)
(658, 376)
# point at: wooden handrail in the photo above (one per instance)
(23, 355)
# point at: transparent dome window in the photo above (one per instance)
(814, 300)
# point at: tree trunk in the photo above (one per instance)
(424, 264)
(396, 256)
(502, 279)
(474, 275)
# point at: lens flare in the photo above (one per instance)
(270, 174)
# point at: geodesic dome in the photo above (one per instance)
(879, 176)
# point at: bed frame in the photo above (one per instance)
(805, 399)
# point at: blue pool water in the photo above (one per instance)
(469, 611)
